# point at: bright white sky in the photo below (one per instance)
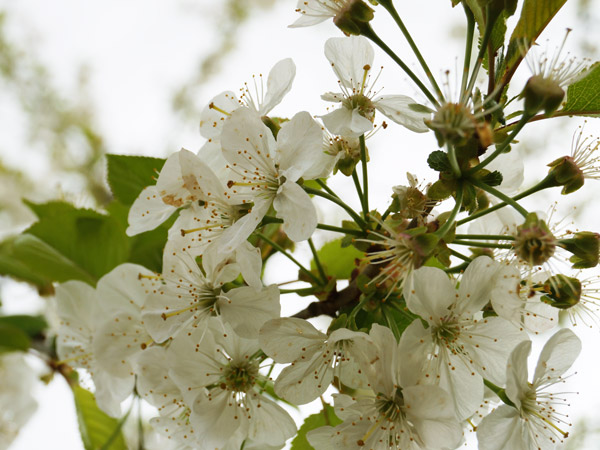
(140, 51)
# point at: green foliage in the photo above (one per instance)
(13, 339)
(583, 96)
(98, 431)
(128, 175)
(32, 326)
(337, 261)
(30, 259)
(95, 242)
(325, 417)
(535, 15)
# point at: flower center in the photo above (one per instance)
(240, 378)
(362, 103)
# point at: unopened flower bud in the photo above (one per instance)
(353, 17)
(562, 292)
(566, 173)
(542, 94)
(585, 247)
(534, 243)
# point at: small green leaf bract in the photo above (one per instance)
(438, 160)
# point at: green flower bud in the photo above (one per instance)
(562, 292)
(585, 247)
(534, 243)
(566, 173)
(354, 17)
(542, 94)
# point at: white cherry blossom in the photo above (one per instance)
(219, 375)
(268, 170)
(398, 415)
(459, 348)
(315, 358)
(532, 422)
(351, 59)
(191, 294)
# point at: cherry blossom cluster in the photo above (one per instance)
(447, 353)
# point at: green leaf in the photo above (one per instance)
(98, 430)
(146, 248)
(13, 339)
(325, 417)
(337, 261)
(30, 259)
(492, 178)
(535, 15)
(32, 326)
(438, 160)
(583, 96)
(94, 242)
(128, 175)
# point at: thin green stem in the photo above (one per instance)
(450, 221)
(320, 226)
(460, 256)
(317, 261)
(325, 187)
(492, 237)
(501, 393)
(359, 221)
(481, 244)
(300, 291)
(359, 191)
(457, 269)
(468, 48)
(500, 149)
(280, 249)
(369, 33)
(453, 161)
(498, 194)
(489, 26)
(365, 175)
(392, 10)
(544, 184)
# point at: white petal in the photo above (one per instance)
(270, 424)
(335, 97)
(147, 212)
(199, 179)
(111, 391)
(124, 289)
(489, 343)
(505, 296)
(517, 385)
(235, 235)
(346, 122)
(295, 207)
(304, 380)
(476, 284)
(279, 83)
(430, 409)
(212, 117)
(397, 108)
(170, 185)
(247, 143)
(429, 293)
(217, 418)
(503, 429)
(247, 308)
(348, 57)
(559, 353)
(299, 146)
(287, 339)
